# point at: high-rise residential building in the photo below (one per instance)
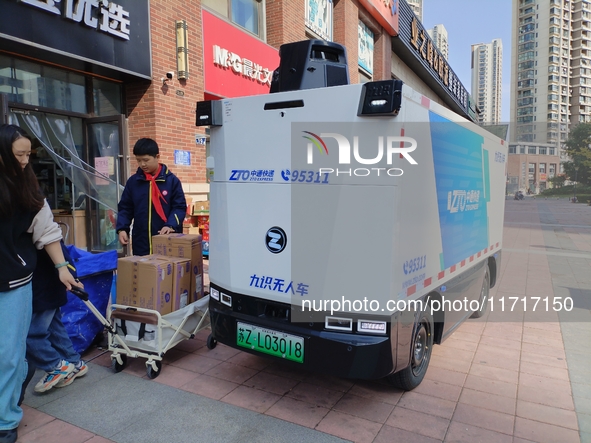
(487, 68)
(580, 85)
(417, 8)
(548, 58)
(438, 34)
(551, 70)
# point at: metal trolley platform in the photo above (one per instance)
(138, 332)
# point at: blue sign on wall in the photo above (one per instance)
(182, 158)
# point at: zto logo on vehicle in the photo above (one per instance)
(276, 240)
(390, 146)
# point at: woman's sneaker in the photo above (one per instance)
(50, 379)
(79, 370)
(8, 436)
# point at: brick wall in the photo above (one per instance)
(346, 20)
(285, 22)
(166, 113)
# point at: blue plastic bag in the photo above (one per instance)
(95, 271)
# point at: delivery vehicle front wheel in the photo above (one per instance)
(211, 342)
(422, 346)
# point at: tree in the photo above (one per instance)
(578, 147)
(558, 181)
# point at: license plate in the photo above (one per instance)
(268, 341)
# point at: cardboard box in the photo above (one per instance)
(181, 282)
(184, 246)
(154, 284)
(126, 279)
(200, 206)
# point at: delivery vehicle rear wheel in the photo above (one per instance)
(422, 346)
(115, 364)
(211, 342)
(152, 374)
(483, 300)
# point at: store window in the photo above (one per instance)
(106, 97)
(365, 50)
(318, 18)
(245, 13)
(39, 85)
(36, 84)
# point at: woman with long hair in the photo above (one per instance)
(26, 224)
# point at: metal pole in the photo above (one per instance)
(72, 202)
(575, 187)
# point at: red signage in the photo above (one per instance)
(236, 64)
(385, 12)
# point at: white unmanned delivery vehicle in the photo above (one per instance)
(352, 226)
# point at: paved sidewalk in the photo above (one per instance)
(512, 377)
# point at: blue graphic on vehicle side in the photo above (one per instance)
(461, 198)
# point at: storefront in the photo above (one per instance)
(87, 79)
(235, 63)
(63, 66)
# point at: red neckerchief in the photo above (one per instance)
(156, 194)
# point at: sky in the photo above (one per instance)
(469, 22)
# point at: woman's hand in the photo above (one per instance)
(68, 279)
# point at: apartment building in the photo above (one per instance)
(417, 8)
(551, 71)
(487, 80)
(438, 34)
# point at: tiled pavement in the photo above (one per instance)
(493, 381)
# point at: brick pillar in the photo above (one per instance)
(285, 22)
(382, 56)
(346, 21)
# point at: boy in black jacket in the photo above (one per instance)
(153, 200)
(48, 344)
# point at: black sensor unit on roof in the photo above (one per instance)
(310, 64)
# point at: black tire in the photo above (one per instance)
(483, 300)
(152, 374)
(119, 367)
(211, 342)
(422, 346)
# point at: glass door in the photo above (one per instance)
(105, 139)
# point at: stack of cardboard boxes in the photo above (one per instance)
(166, 281)
(198, 223)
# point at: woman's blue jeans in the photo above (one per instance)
(15, 318)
